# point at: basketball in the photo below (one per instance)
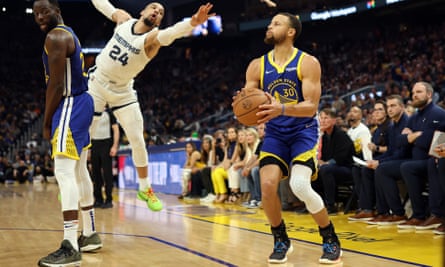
(245, 105)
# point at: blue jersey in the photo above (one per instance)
(72, 119)
(284, 84)
(75, 76)
(288, 139)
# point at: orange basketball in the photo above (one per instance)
(245, 105)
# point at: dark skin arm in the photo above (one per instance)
(59, 45)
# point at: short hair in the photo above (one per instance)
(330, 112)
(429, 88)
(294, 22)
(397, 97)
(382, 103)
(52, 2)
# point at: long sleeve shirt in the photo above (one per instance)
(337, 148)
(395, 149)
(427, 120)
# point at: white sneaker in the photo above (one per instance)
(208, 199)
(253, 204)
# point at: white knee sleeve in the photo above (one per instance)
(66, 178)
(130, 118)
(84, 183)
(300, 183)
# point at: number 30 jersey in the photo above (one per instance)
(124, 56)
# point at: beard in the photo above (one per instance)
(420, 103)
(148, 23)
(52, 23)
(272, 40)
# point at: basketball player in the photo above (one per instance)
(67, 118)
(291, 80)
(135, 42)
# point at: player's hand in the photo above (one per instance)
(269, 111)
(235, 96)
(120, 16)
(202, 15)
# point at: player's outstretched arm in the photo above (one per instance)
(112, 13)
(166, 36)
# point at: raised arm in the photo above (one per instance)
(164, 37)
(112, 13)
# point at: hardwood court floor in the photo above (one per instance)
(190, 234)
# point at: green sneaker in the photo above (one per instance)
(89, 243)
(66, 255)
(152, 200)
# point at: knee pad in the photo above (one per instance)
(300, 183)
(66, 179)
(84, 183)
(130, 118)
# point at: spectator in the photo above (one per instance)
(233, 174)
(335, 158)
(378, 146)
(389, 205)
(252, 169)
(219, 174)
(361, 137)
(193, 157)
(418, 135)
(252, 140)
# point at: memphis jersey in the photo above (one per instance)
(72, 118)
(75, 78)
(284, 84)
(124, 55)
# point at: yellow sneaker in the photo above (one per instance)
(152, 200)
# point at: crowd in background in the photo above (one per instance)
(187, 83)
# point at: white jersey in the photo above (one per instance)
(124, 55)
(361, 136)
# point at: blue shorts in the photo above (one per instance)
(71, 124)
(285, 149)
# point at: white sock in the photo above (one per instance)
(88, 220)
(144, 183)
(70, 232)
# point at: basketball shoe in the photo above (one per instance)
(152, 200)
(331, 246)
(282, 246)
(66, 255)
(280, 251)
(89, 243)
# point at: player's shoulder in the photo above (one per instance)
(59, 35)
(309, 57)
(310, 62)
(255, 62)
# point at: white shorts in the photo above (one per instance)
(108, 92)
